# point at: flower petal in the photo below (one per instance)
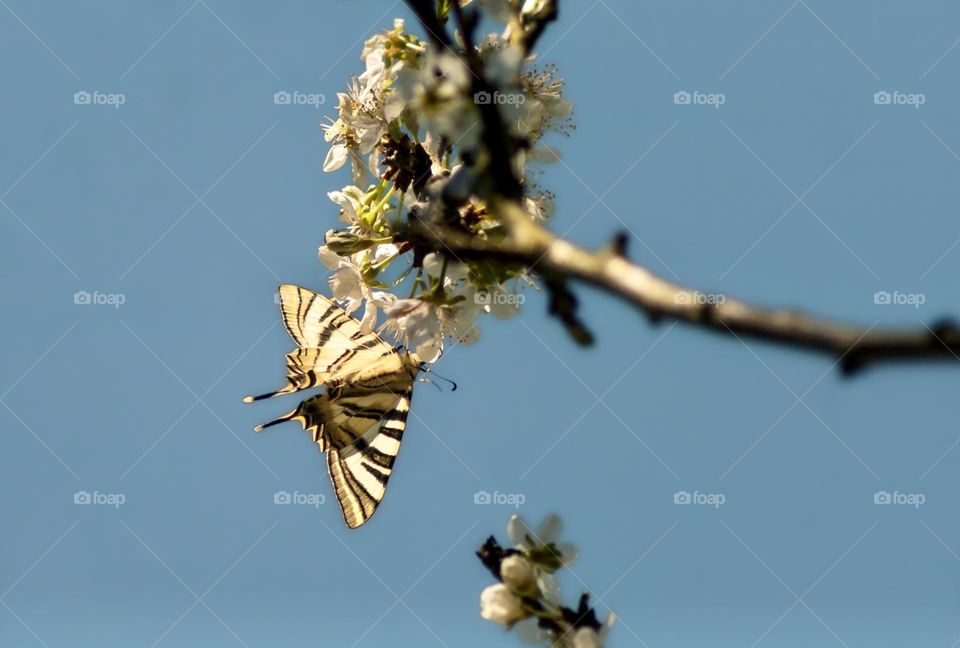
(529, 631)
(550, 529)
(336, 157)
(549, 587)
(347, 287)
(329, 258)
(568, 553)
(518, 531)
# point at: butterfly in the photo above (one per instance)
(359, 419)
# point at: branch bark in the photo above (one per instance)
(534, 247)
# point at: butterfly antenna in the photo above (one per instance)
(427, 369)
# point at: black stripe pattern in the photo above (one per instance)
(360, 418)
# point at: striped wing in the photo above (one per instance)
(332, 343)
(313, 320)
(360, 429)
(360, 418)
(360, 471)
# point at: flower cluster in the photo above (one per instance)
(527, 596)
(410, 128)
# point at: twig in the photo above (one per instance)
(532, 246)
(542, 253)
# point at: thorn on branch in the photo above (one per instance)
(852, 364)
(946, 331)
(620, 244)
(563, 305)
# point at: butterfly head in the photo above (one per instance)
(418, 365)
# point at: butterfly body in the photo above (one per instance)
(360, 417)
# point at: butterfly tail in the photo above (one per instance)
(289, 389)
(300, 374)
(289, 416)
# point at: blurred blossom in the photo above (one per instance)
(516, 574)
(499, 605)
(528, 591)
(410, 128)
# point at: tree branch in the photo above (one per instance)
(530, 245)
(535, 248)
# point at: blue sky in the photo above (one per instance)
(193, 199)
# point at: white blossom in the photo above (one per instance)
(410, 98)
(439, 93)
(416, 323)
(499, 605)
(517, 574)
(524, 538)
(348, 199)
(348, 285)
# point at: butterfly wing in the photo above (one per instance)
(360, 471)
(312, 319)
(359, 420)
(332, 343)
(360, 428)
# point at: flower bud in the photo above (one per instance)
(586, 638)
(517, 574)
(533, 8)
(497, 604)
(345, 242)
